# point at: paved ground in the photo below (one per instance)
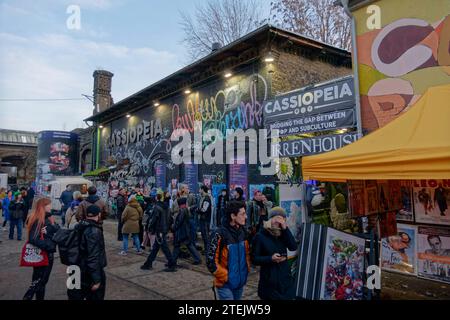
(125, 281)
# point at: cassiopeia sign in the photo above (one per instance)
(309, 146)
(321, 98)
(144, 131)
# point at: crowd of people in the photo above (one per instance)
(236, 235)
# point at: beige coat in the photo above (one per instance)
(131, 216)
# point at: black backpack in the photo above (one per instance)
(68, 241)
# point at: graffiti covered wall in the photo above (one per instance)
(400, 58)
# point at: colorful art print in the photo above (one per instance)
(356, 198)
(398, 252)
(433, 253)
(371, 200)
(343, 269)
(431, 200)
(395, 195)
(291, 201)
(383, 195)
(388, 224)
(405, 213)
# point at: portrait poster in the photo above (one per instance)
(398, 252)
(395, 195)
(371, 197)
(343, 269)
(405, 213)
(431, 201)
(356, 198)
(388, 224)
(291, 201)
(433, 253)
(383, 195)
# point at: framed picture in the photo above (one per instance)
(395, 195)
(405, 213)
(431, 201)
(388, 224)
(356, 198)
(371, 197)
(383, 195)
(399, 252)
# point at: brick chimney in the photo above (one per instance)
(102, 90)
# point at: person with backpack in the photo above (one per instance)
(228, 256)
(17, 210)
(269, 251)
(204, 213)
(159, 225)
(70, 219)
(92, 257)
(181, 229)
(41, 228)
(131, 220)
(92, 199)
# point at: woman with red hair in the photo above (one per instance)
(40, 229)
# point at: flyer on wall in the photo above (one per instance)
(291, 202)
(398, 252)
(343, 269)
(433, 257)
(406, 208)
(431, 201)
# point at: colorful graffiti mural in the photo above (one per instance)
(400, 60)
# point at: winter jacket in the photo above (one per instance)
(204, 209)
(17, 210)
(275, 280)
(5, 205)
(92, 250)
(160, 219)
(66, 198)
(44, 241)
(121, 203)
(131, 216)
(255, 217)
(182, 227)
(90, 200)
(228, 257)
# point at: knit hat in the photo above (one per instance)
(93, 211)
(277, 211)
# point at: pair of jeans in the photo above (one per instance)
(15, 223)
(193, 226)
(229, 294)
(191, 248)
(135, 237)
(204, 229)
(39, 281)
(63, 215)
(85, 293)
(160, 243)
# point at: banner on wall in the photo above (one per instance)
(191, 176)
(433, 255)
(238, 176)
(160, 173)
(431, 201)
(291, 200)
(398, 252)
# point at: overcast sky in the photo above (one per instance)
(40, 58)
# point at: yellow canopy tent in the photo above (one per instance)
(416, 145)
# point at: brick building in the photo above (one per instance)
(225, 89)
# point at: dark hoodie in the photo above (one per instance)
(89, 201)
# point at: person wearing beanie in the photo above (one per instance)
(92, 257)
(270, 247)
(182, 234)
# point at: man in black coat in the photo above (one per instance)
(121, 204)
(159, 225)
(270, 252)
(92, 258)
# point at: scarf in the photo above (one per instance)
(274, 231)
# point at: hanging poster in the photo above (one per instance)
(398, 252)
(191, 176)
(343, 269)
(395, 195)
(371, 197)
(356, 197)
(388, 224)
(431, 201)
(238, 176)
(160, 174)
(383, 195)
(433, 257)
(291, 202)
(406, 211)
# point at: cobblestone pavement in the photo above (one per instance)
(125, 280)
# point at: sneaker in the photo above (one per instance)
(144, 267)
(140, 252)
(172, 269)
(122, 253)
